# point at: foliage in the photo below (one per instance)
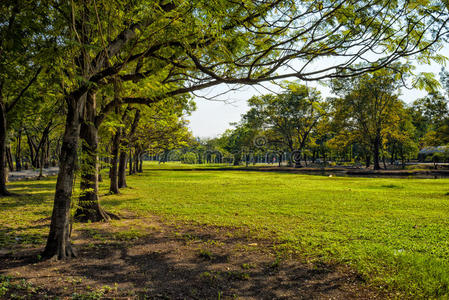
(189, 158)
(428, 115)
(370, 111)
(292, 116)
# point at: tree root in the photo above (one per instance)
(6, 193)
(112, 215)
(60, 254)
(94, 215)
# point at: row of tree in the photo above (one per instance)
(366, 122)
(105, 66)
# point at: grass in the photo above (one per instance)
(395, 232)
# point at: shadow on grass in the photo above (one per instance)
(162, 265)
(168, 273)
(26, 192)
(13, 237)
(25, 197)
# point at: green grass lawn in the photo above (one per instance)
(395, 232)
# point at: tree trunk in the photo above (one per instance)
(58, 242)
(89, 208)
(113, 171)
(367, 160)
(402, 159)
(32, 147)
(376, 146)
(41, 164)
(40, 149)
(140, 169)
(393, 153)
(136, 160)
(47, 154)
(122, 169)
(19, 151)
(9, 158)
(3, 173)
(295, 156)
(57, 152)
(130, 158)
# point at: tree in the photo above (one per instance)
(126, 123)
(162, 129)
(182, 47)
(368, 109)
(438, 136)
(238, 141)
(25, 46)
(292, 115)
(401, 139)
(428, 113)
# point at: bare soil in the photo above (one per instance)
(147, 258)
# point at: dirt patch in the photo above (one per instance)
(150, 259)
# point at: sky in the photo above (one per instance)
(212, 118)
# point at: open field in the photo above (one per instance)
(393, 232)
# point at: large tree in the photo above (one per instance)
(179, 47)
(368, 109)
(292, 116)
(401, 139)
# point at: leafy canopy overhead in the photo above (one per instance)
(175, 47)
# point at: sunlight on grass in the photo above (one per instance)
(393, 231)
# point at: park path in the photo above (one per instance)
(32, 174)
